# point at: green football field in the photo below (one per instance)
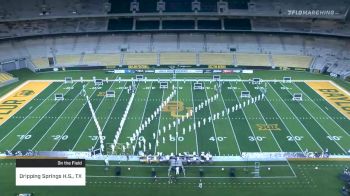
(276, 123)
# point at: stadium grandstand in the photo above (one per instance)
(169, 97)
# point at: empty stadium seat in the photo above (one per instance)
(140, 59)
(216, 58)
(249, 59)
(178, 58)
(5, 77)
(292, 61)
(102, 59)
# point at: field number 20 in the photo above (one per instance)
(294, 138)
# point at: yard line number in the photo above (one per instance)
(220, 139)
(59, 137)
(24, 137)
(256, 138)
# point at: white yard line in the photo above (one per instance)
(319, 124)
(87, 124)
(177, 113)
(212, 122)
(262, 116)
(49, 129)
(110, 113)
(341, 88)
(14, 128)
(229, 120)
(71, 122)
(296, 117)
(38, 122)
(283, 123)
(143, 114)
(160, 117)
(322, 109)
(245, 116)
(194, 119)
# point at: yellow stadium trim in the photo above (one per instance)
(17, 99)
(337, 97)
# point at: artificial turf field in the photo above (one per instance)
(274, 124)
(67, 125)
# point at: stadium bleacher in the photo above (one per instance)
(4, 77)
(120, 24)
(149, 24)
(246, 59)
(64, 60)
(237, 24)
(140, 59)
(178, 24)
(178, 6)
(292, 61)
(209, 24)
(41, 63)
(266, 50)
(101, 59)
(216, 58)
(178, 58)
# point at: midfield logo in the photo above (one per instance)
(176, 107)
(268, 127)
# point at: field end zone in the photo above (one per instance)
(11, 103)
(337, 97)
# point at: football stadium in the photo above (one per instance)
(175, 97)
